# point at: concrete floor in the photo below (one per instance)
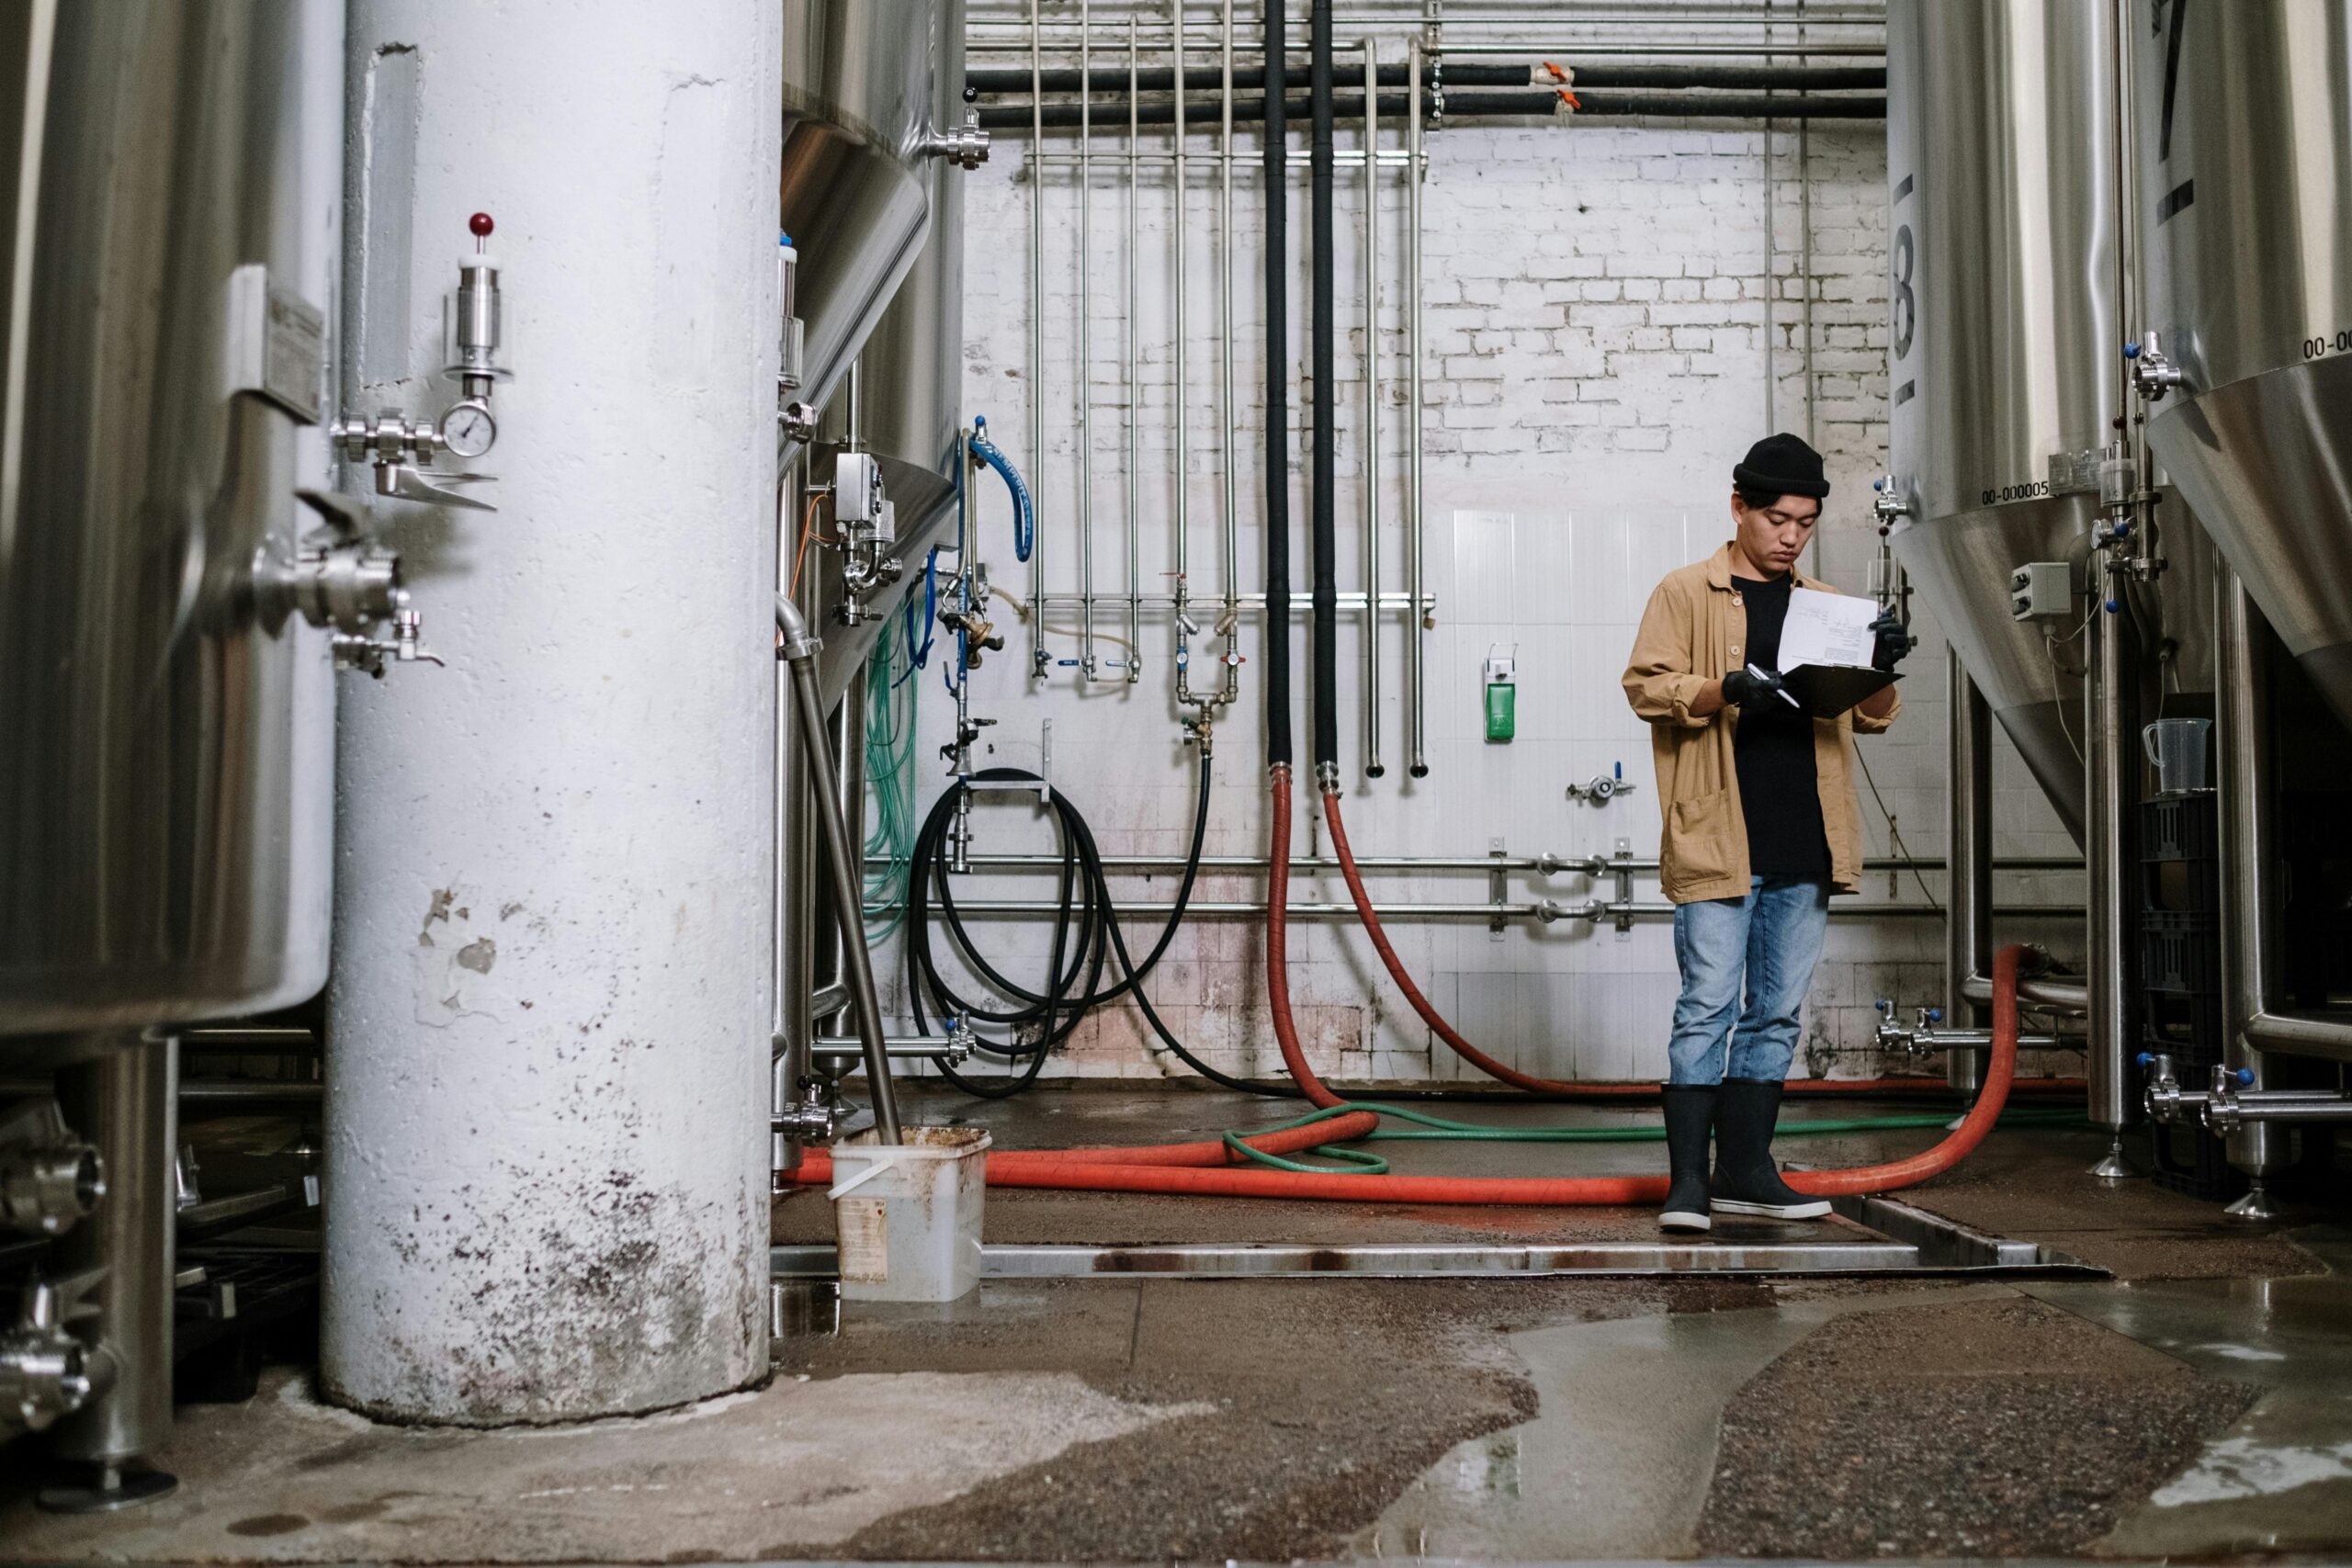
(2197, 1405)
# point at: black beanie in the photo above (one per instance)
(1783, 464)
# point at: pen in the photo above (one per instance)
(1761, 675)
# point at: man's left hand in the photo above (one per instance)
(1894, 641)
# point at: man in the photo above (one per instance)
(1762, 826)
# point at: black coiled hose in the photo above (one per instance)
(1088, 939)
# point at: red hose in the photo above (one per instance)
(1207, 1169)
(1157, 1170)
(1556, 1087)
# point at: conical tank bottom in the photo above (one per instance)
(2029, 670)
(2267, 462)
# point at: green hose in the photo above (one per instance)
(1437, 1129)
(889, 783)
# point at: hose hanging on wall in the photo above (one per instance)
(1089, 937)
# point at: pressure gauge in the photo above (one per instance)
(467, 430)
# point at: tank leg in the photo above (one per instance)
(127, 1099)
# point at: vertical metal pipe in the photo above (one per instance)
(1085, 344)
(1415, 172)
(1968, 859)
(1036, 333)
(126, 1100)
(1179, 383)
(2249, 923)
(844, 868)
(1232, 520)
(848, 787)
(1134, 366)
(796, 859)
(2112, 801)
(1371, 763)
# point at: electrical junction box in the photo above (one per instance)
(2042, 590)
(1502, 696)
(857, 489)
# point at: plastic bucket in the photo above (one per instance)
(2176, 746)
(909, 1215)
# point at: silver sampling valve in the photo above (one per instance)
(341, 579)
(400, 449)
(46, 1371)
(1887, 502)
(1602, 788)
(50, 1178)
(2153, 374)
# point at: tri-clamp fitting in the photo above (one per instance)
(46, 1371)
(2153, 374)
(50, 1178)
(1887, 502)
(965, 146)
(341, 578)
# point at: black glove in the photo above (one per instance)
(1894, 641)
(1744, 688)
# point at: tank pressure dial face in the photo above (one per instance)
(467, 430)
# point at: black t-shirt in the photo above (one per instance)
(1779, 790)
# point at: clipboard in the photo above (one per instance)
(1825, 691)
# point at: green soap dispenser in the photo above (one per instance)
(1502, 694)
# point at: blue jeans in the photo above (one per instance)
(1773, 937)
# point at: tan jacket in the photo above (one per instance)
(1692, 634)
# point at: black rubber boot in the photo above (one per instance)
(1689, 1116)
(1747, 1181)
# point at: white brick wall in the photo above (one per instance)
(1596, 300)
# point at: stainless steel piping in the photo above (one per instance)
(1371, 763)
(1178, 384)
(1415, 171)
(2112, 797)
(1544, 911)
(1231, 687)
(2250, 910)
(2243, 776)
(1037, 655)
(1548, 864)
(1134, 366)
(1085, 344)
(1968, 840)
(844, 864)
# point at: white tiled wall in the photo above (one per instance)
(1596, 320)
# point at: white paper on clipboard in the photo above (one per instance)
(1827, 628)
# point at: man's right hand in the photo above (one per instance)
(1743, 688)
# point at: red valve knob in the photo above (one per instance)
(480, 225)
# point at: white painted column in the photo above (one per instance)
(547, 1091)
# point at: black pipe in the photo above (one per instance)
(1475, 106)
(1325, 536)
(1277, 651)
(1112, 82)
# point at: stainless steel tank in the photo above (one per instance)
(164, 758)
(854, 193)
(2002, 233)
(910, 375)
(2243, 111)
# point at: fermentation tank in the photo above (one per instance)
(2001, 236)
(166, 762)
(2244, 146)
(911, 380)
(858, 147)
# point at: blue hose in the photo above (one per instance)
(1024, 513)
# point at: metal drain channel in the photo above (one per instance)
(1896, 1239)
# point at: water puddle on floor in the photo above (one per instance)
(2281, 1478)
